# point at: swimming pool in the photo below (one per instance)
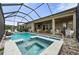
(32, 44)
(24, 35)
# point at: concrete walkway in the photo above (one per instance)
(11, 48)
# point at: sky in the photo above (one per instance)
(42, 11)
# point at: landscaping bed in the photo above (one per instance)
(1, 51)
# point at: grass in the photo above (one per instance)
(1, 49)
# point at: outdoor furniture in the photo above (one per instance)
(69, 33)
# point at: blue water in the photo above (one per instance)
(25, 36)
(34, 48)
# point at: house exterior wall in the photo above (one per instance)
(53, 17)
(44, 26)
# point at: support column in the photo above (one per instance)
(18, 26)
(32, 27)
(53, 26)
(74, 24)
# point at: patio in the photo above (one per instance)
(33, 21)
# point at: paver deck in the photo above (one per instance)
(11, 48)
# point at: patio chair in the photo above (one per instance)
(69, 33)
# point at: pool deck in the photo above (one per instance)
(70, 47)
(11, 48)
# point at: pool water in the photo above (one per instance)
(34, 49)
(30, 46)
(24, 36)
